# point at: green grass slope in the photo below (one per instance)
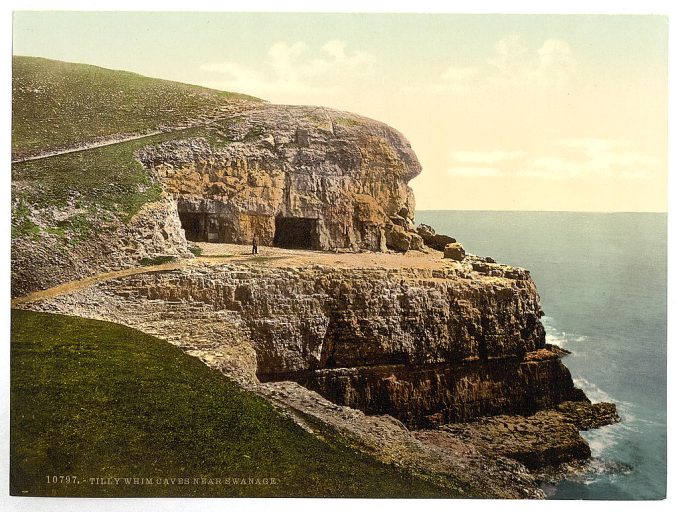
(102, 183)
(58, 104)
(92, 400)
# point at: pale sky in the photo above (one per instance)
(505, 112)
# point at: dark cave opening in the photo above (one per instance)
(296, 233)
(201, 227)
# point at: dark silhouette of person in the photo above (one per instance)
(254, 244)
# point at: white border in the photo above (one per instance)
(300, 505)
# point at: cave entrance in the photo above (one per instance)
(213, 231)
(201, 227)
(194, 226)
(296, 233)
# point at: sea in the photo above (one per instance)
(603, 287)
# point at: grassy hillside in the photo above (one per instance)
(93, 399)
(56, 104)
(59, 104)
(100, 183)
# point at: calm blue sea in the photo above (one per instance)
(602, 281)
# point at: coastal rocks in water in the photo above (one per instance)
(434, 240)
(454, 251)
(547, 438)
(587, 416)
(297, 177)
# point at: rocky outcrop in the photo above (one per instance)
(53, 257)
(434, 240)
(425, 345)
(431, 346)
(302, 177)
(288, 176)
(454, 251)
(547, 438)
(435, 455)
(429, 395)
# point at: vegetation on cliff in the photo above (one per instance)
(92, 399)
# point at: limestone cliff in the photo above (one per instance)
(54, 257)
(427, 340)
(425, 345)
(303, 177)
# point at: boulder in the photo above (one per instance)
(432, 239)
(438, 242)
(425, 230)
(417, 243)
(454, 251)
(402, 240)
(398, 239)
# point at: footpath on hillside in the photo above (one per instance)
(220, 254)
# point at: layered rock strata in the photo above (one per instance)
(427, 346)
(433, 394)
(304, 177)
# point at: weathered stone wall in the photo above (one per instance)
(347, 173)
(429, 395)
(321, 317)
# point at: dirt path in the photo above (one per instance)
(115, 139)
(276, 256)
(221, 254)
(86, 282)
(86, 147)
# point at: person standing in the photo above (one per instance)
(254, 244)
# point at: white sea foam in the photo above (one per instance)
(594, 392)
(603, 439)
(560, 338)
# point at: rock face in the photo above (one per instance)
(547, 438)
(430, 395)
(299, 177)
(431, 346)
(154, 231)
(427, 346)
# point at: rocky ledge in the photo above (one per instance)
(547, 438)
